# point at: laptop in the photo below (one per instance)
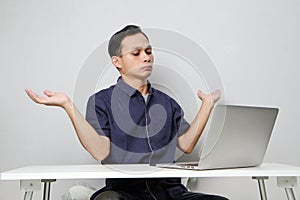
(238, 136)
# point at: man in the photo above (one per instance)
(131, 122)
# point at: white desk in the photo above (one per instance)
(286, 174)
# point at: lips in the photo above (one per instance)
(147, 68)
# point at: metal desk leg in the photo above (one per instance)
(28, 195)
(290, 193)
(288, 183)
(47, 184)
(261, 185)
(29, 186)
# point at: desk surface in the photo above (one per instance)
(140, 171)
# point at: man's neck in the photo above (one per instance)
(138, 84)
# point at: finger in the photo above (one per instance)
(217, 93)
(200, 94)
(34, 96)
(27, 91)
(31, 95)
(48, 93)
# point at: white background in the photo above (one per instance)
(43, 44)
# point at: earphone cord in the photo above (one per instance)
(148, 137)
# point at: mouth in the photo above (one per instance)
(147, 68)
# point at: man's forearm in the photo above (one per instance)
(98, 146)
(189, 139)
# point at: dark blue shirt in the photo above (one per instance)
(140, 130)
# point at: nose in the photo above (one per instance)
(147, 58)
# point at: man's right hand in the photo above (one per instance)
(49, 99)
(97, 145)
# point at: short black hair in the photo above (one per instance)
(114, 45)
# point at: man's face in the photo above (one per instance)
(136, 57)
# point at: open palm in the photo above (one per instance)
(49, 98)
(211, 98)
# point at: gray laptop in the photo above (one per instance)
(238, 136)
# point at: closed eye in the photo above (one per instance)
(137, 51)
(148, 51)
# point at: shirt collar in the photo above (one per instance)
(127, 89)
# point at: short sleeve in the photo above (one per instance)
(179, 120)
(97, 117)
(183, 126)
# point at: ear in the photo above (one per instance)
(116, 61)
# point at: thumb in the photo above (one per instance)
(200, 94)
(48, 93)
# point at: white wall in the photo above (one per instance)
(253, 44)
